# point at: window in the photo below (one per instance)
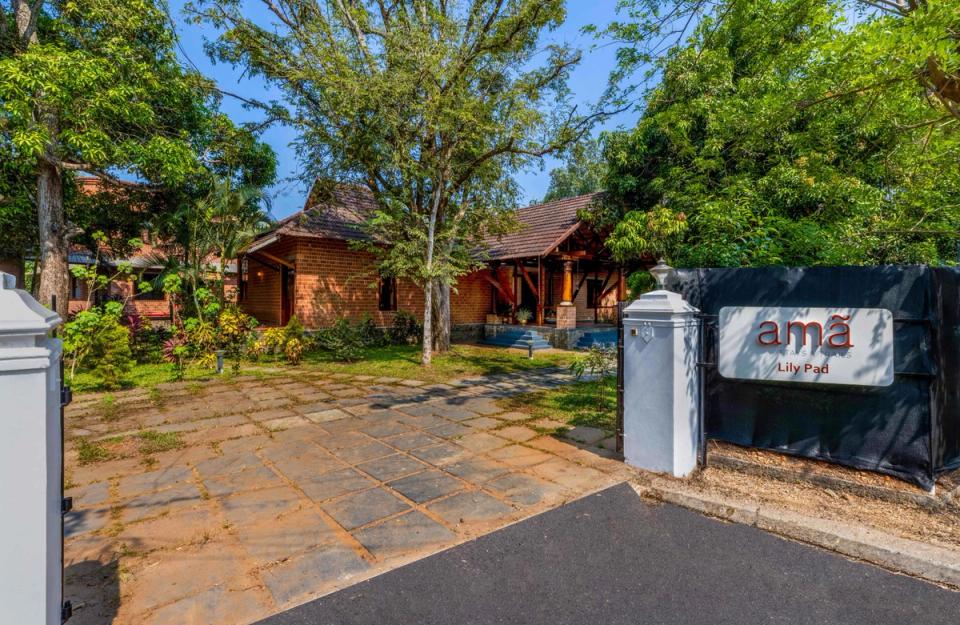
(154, 294)
(594, 292)
(76, 288)
(388, 293)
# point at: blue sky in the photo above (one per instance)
(587, 82)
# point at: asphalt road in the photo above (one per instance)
(610, 559)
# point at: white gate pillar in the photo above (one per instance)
(31, 531)
(661, 399)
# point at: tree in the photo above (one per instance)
(432, 105)
(95, 86)
(763, 142)
(583, 172)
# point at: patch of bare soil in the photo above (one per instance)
(938, 524)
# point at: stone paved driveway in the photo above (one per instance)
(286, 489)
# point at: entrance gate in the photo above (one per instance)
(909, 429)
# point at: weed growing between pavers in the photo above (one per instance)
(152, 442)
(89, 452)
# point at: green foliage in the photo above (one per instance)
(288, 342)
(523, 315)
(432, 106)
(785, 132)
(96, 86)
(89, 452)
(234, 332)
(293, 351)
(600, 362)
(146, 341)
(371, 334)
(405, 329)
(343, 341)
(583, 172)
(95, 339)
(152, 442)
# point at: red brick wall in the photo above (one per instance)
(470, 301)
(335, 281)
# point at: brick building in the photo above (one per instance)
(554, 266)
(153, 304)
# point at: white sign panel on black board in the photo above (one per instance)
(819, 345)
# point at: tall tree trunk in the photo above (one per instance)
(54, 246)
(441, 313)
(427, 357)
(54, 242)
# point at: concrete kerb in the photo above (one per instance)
(930, 562)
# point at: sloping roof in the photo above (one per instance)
(543, 227)
(338, 216)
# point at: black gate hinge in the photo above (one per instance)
(66, 505)
(66, 395)
(66, 611)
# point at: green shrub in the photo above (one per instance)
(146, 341)
(96, 340)
(288, 342)
(600, 362)
(406, 330)
(371, 334)
(342, 340)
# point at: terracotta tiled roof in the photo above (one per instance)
(339, 216)
(543, 227)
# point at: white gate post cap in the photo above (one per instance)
(658, 302)
(20, 314)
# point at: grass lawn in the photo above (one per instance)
(394, 361)
(460, 361)
(576, 404)
(141, 376)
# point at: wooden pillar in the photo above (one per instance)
(567, 310)
(567, 297)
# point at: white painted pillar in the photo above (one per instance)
(31, 533)
(661, 404)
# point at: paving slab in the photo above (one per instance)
(524, 489)
(519, 456)
(279, 539)
(334, 484)
(83, 521)
(261, 506)
(477, 470)
(391, 467)
(327, 414)
(362, 508)
(152, 480)
(219, 604)
(313, 573)
(441, 454)
(470, 507)
(412, 440)
(404, 535)
(179, 497)
(364, 452)
(252, 478)
(171, 575)
(426, 486)
(171, 531)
